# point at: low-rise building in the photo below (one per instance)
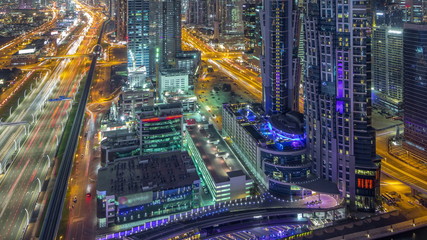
(117, 144)
(141, 187)
(219, 168)
(159, 127)
(173, 80)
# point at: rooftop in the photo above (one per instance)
(214, 151)
(280, 132)
(160, 110)
(154, 172)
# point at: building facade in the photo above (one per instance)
(415, 88)
(141, 187)
(160, 128)
(276, 60)
(154, 34)
(387, 64)
(338, 99)
(221, 174)
(138, 33)
(274, 150)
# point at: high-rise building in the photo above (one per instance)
(229, 17)
(166, 23)
(338, 99)
(154, 34)
(276, 59)
(415, 87)
(387, 64)
(197, 13)
(252, 27)
(25, 4)
(120, 18)
(138, 30)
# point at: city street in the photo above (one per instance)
(412, 175)
(244, 77)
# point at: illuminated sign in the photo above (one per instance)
(135, 199)
(365, 183)
(161, 118)
(27, 50)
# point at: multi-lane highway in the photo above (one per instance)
(52, 219)
(21, 185)
(225, 62)
(412, 176)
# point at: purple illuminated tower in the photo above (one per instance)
(338, 99)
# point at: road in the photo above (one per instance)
(20, 186)
(52, 218)
(226, 62)
(395, 168)
(14, 45)
(82, 218)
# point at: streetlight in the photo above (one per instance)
(28, 216)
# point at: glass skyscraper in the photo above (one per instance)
(138, 30)
(154, 34)
(338, 99)
(276, 59)
(387, 74)
(415, 87)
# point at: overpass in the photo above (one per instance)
(243, 219)
(65, 56)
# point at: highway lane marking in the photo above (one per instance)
(9, 194)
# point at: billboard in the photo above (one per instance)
(135, 199)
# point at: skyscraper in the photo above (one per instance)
(415, 87)
(154, 33)
(387, 64)
(338, 99)
(229, 17)
(120, 18)
(276, 59)
(197, 13)
(138, 30)
(252, 27)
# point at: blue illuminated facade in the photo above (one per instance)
(273, 147)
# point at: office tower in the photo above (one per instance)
(166, 22)
(197, 13)
(229, 17)
(154, 34)
(276, 59)
(415, 88)
(120, 18)
(252, 26)
(138, 31)
(387, 64)
(417, 10)
(338, 99)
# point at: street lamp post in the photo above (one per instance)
(28, 216)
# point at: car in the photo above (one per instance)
(88, 195)
(75, 199)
